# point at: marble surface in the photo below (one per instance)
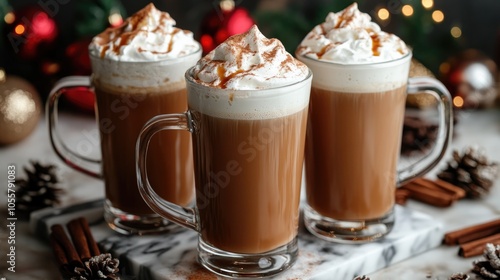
(34, 259)
(173, 255)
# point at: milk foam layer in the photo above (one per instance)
(360, 78)
(350, 37)
(144, 53)
(249, 61)
(249, 104)
(249, 77)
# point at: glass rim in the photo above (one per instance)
(190, 80)
(198, 51)
(378, 64)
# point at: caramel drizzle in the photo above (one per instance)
(221, 72)
(375, 45)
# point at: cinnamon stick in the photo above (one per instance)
(476, 248)
(62, 246)
(472, 232)
(428, 195)
(58, 251)
(402, 196)
(440, 185)
(459, 192)
(83, 239)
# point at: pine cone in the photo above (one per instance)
(39, 190)
(470, 171)
(418, 135)
(98, 267)
(490, 267)
(459, 276)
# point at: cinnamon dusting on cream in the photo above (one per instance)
(249, 61)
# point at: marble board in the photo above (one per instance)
(173, 255)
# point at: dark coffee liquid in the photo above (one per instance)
(121, 116)
(248, 179)
(352, 149)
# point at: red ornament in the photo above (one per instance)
(226, 20)
(31, 33)
(81, 97)
(77, 62)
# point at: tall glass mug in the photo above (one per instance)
(248, 155)
(353, 144)
(145, 89)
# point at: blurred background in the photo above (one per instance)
(44, 40)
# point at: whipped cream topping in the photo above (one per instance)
(350, 37)
(148, 35)
(249, 61)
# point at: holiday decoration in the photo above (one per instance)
(91, 18)
(420, 100)
(32, 33)
(98, 267)
(39, 190)
(20, 108)
(459, 276)
(471, 171)
(226, 20)
(470, 77)
(418, 135)
(489, 268)
(78, 63)
(80, 258)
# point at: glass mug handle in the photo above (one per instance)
(88, 166)
(425, 164)
(183, 216)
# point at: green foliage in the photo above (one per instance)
(92, 16)
(290, 26)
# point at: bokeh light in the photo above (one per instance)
(19, 29)
(437, 16)
(9, 18)
(458, 101)
(407, 10)
(456, 32)
(383, 14)
(427, 4)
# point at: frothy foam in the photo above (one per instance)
(350, 37)
(249, 104)
(148, 35)
(249, 77)
(249, 61)
(144, 53)
(360, 78)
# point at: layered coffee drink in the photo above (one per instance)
(249, 102)
(345, 156)
(138, 73)
(355, 123)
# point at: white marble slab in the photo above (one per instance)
(173, 255)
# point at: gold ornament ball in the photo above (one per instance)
(20, 109)
(420, 100)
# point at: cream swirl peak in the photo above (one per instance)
(148, 35)
(350, 37)
(249, 61)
